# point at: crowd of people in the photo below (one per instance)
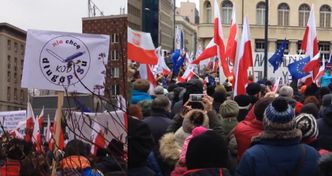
(287, 132)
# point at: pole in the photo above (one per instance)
(266, 37)
(58, 117)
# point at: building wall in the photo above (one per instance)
(116, 27)
(189, 9)
(189, 32)
(135, 14)
(166, 24)
(293, 32)
(12, 46)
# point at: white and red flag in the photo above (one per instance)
(29, 125)
(161, 67)
(141, 48)
(321, 71)
(219, 41)
(231, 42)
(188, 74)
(243, 61)
(310, 45)
(98, 138)
(208, 52)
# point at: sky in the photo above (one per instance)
(178, 2)
(56, 15)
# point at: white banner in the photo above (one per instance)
(10, 119)
(112, 124)
(58, 60)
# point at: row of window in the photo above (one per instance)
(17, 94)
(15, 47)
(324, 47)
(283, 14)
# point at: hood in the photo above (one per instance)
(169, 149)
(138, 96)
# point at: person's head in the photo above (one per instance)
(244, 105)
(229, 109)
(194, 118)
(310, 108)
(260, 107)
(208, 150)
(254, 91)
(136, 111)
(286, 91)
(312, 99)
(15, 149)
(146, 107)
(326, 100)
(141, 85)
(159, 90)
(311, 90)
(323, 91)
(115, 148)
(308, 126)
(75, 147)
(161, 103)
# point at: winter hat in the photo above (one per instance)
(159, 90)
(279, 116)
(308, 125)
(208, 150)
(141, 85)
(286, 91)
(310, 108)
(327, 100)
(229, 109)
(253, 88)
(243, 101)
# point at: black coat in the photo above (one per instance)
(158, 123)
(325, 129)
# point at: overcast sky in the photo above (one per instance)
(59, 15)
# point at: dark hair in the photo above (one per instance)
(160, 103)
(135, 110)
(197, 118)
(76, 147)
(312, 99)
(260, 107)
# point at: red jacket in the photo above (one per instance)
(244, 131)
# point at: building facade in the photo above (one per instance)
(188, 9)
(189, 31)
(135, 14)
(12, 46)
(287, 20)
(116, 72)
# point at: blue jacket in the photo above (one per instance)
(325, 80)
(138, 96)
(278, 158)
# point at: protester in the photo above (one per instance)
(140, 91)
(287, 92)
(278, 151)
(325, 128)
(254, 92)
(244, 106)
(327, 78)
(308, 126)
(229, 110)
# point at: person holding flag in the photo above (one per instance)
(326, 79)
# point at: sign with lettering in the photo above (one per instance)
(65, 61)
(10, 119)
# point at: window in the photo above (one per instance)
(115, 89)
(299, 50)
(304, 12)
(259, 45)
(15, 47)
(15, 78)
(283, 14)
(226, 9)
(115, 55)
(325, 16)
(8, 94)
(260, 13)
(15, 94)
(22, 49)
(9, 44)
(115, 72)
(8, 76)
(279, 42)
(324, 48)
(208, 12)
(115, 38)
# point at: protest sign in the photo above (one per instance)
(59, 60)
(11, 119)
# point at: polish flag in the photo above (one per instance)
(61, 138)
(231, 43)
(313, 64)
(276, 85)
(29, 123)
(219, 40)
(309, 42)
(321, 71)
(48, 135)
(161, 67)
(145, 72)
(210, 51)
(243, 61)
(41, 118)
(141, 48)
(98, 138)
(187, 75)
(36, 133)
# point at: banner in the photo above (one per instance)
(59, 60)
(112, 123)
(11, 119)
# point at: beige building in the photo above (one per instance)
(135, 14)
(166, 24)
(188, 9)
(12, 45)
(189, 31)
(287, 19)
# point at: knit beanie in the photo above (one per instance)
(308, 125)
(253, 88)
(208, 150)
(229, 109)
(279, 116)
(243, 101)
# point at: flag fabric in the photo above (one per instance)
(296, 68)
(231, 42)
(145, 72)
(309, 42)
(321, 71)
(48, 130)
(187, 75)
(313, 64)
(98, 138)
(41, 118)
(219, 40)
(179, 39)
(243, 61)
(209, 51)
(161, 67)
(278, 56)
(178, 63)
(276, 85)
(141, 48)
(29, 123)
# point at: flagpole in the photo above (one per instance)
(266, 36)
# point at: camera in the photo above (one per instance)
(195, 97)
